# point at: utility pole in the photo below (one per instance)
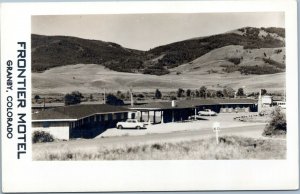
(259, 105)
(44, 106)
(104, 96)
(131, 96)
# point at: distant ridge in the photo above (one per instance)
(55, 51)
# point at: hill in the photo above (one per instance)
(54, 51)
(235, 58)
(93, 78)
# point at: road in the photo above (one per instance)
(251, 131)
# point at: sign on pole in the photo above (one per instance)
(216, 128)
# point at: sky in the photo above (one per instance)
(146, 31)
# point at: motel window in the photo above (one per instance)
(46, 124)
(119, 116)
(114, 116)
(105, 117)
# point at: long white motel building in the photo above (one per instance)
(90, 120)
(78, 121)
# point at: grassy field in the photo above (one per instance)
(229, 148)
(93, 78)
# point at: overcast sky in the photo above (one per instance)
(145, 31)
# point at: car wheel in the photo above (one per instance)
(120, 127)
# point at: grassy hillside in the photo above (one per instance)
(53, 51)
(92, 78)
(178, 53)
(234, 58)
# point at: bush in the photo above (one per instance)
(158, 94)
(277, 124)
(235, 61)
(41, 136)
(274, 63)
(113, 100)
(73, 98)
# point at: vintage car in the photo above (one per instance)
(207, 112)
(131, 124)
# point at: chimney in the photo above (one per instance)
(173, 103)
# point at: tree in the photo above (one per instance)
(180, 93)
(263, 92)
(36, 98)
(119, 93)
(197, 93)
(228, 92)
(113, 100)
(188, 93)
(173, 98)
(122, 96)
(277, 124)
(211, 93)
(203, 92)
(158, 94)
(91, 97)
(73, 98)
(240, 92)
(220, 94)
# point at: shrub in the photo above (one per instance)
(230, 68)
(158, 94)
(274, 63)
(41, 136)
(240, 92)
(260, 70)
(73, 98)
(277, 124)
(235, 61)
(113, 100)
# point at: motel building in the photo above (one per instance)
(90, 120)
(164, 112)
(78, 121)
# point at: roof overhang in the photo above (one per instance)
(53, 120)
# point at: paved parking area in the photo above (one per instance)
(226, 120)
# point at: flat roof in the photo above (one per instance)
(74, 112)
(181, 104)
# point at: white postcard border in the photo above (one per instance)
(61, 176)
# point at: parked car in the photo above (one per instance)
(131, 124)
(207, 112)
(281, 104)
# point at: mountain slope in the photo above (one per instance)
(182, 52)
(235, 58)
(53, 51)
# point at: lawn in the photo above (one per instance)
(229, 148)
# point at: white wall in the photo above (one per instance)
(57, 132)
(266, 100)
